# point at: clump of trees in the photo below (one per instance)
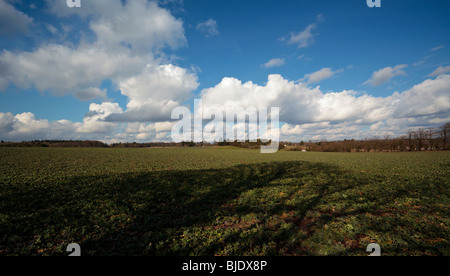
(421, 139)
(55, 143)
(144, 145)
(247, 144)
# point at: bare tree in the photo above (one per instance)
(420, 136)
(411, 134)
(430, 133)
(444, 133)
(401, 144)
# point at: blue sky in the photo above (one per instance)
(351, 34)
(113, 70)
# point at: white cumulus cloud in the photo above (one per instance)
(275, 62)
(384, 75)
(304, 38)
(318, 76)
(440, 70)
(341, 112)
(127, 37)
(13, 21)
(208, 28)
(155, 92)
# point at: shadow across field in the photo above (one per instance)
(279, 208)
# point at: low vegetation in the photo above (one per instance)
(222, 201)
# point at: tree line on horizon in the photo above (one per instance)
(421, 139)
(430, 139)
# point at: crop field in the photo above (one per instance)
(222, 201)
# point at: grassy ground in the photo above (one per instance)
(223, 201)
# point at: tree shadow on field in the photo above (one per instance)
(185, 212)
(231, 211)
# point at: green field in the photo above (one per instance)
(222, 201)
